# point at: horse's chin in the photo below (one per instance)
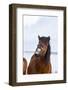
(39, 54)
(36, 53)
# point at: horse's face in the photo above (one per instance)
(42, 45)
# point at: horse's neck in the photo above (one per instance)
(45, 58)
(47, 55)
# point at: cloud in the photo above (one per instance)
(29, 20)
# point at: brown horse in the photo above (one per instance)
(40, 61)
(24, 66)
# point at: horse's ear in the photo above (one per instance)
(38, 37)
(49, 38)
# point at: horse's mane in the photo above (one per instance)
(47, 55)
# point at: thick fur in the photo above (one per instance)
(40, 64)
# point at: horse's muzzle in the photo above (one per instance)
(37, 51)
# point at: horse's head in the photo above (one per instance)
(42, 45)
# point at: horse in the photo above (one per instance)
(24, 66)
(40, 60)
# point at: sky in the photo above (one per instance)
(43, 26)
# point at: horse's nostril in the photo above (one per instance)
(36, 54)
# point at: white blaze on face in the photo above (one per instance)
(37, 51)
